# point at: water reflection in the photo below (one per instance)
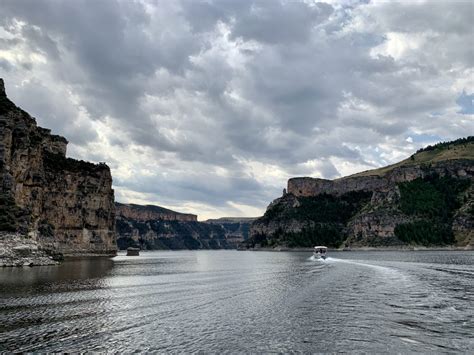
(214, 301)
(69, 274)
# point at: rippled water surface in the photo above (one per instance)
(216, 301)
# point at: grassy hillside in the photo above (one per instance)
(462, 148)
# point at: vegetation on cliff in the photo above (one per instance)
(442, 146)
(174, 235)
(462, 148)
(423, 200)
(57, 162)
(323, 218)
(432, 201)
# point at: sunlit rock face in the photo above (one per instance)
(64, 204)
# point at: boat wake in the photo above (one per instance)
(388, 271)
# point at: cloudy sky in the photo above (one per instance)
(210, 106)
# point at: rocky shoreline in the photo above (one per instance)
(16, 250)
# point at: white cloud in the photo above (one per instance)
(209, 107)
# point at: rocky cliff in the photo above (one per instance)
(153, 227)
(151, 212)
(236, 229)
(426, 200)
(63, 205)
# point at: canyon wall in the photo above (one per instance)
(64, 205)
(306, 186)
(150, 212)
(156, 228)
(424, 200)
(236, 229)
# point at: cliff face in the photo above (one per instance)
(64, 205)
(425, 200)
(153, 227)
(304, 186)
(150, 212)
(236, 229)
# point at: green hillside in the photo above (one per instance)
(462, 148)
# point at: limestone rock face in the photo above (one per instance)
(236, 229)
(306, 186)
(150, 212)
(16, 250)
(154, 227)
(61, 203)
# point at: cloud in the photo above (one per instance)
(214, 104)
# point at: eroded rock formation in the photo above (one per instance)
(154, 227)
(151, 212)
(436, 206)
(63, 205)
(306, 186)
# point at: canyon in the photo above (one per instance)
(52, 206)
(150, 227)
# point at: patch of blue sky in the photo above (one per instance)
(466, 102)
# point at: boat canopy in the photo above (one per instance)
(321, 247)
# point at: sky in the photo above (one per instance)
(208, 107)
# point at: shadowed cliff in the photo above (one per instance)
(57, 203)
(153, 227)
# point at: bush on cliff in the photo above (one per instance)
(446, 145)
(323, 208)
(425, 233)
(324, 216)
(433, 200)
(432, 197)
(321, 234)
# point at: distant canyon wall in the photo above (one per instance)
(157, 228)
(150, 212)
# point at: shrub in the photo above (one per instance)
(425, 232)
(433, 200)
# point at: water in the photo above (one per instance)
(216, 301)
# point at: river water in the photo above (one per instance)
(239, 301)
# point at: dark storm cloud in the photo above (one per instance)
(293, 86)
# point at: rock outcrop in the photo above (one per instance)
(156, 228)
(63, 205)
(151, 212)
(16, 250)
(427, 199)
(236, 229)
(305, 186)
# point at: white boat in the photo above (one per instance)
(320, 252)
